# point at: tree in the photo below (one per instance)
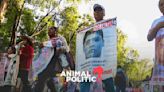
(3, 5)
(136, 69)
(26, 21)
(12, 15)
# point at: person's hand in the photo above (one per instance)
(160, 25)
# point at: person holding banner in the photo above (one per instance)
(58, 61)
(157, 32)
(12, 70)
(26, 57)
(99, 13)
(93, 43)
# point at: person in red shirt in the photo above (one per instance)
(26, 57)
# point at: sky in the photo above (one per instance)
(134, 18)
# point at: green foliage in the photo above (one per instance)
(6, 28)
(72, 22)
(28, 23)
(69, 22)
(121, 49)
(136, 69)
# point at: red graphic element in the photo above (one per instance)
(99, 70)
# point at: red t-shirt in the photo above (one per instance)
(26, 57)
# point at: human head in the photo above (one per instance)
(27, 40)
(99, 12)
(119, 66)
(52, 32)
(93, 43)
(11, 50)
(161, 6)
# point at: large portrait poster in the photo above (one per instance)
(41, 60)
(97, 46)
(158, 71)
(12, 71)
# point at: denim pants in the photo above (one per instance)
(108, 83)
(46, 77)
(120, 88)
(23, 74)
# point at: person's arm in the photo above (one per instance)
(47, 44)
(153, 31)
(64, 47)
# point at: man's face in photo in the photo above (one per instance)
(93, 44)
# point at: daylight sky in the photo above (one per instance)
(134, 18)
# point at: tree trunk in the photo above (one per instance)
(3, 6)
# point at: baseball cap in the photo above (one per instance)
(97, 6)
(53, 28)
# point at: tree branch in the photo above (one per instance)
(37, 32)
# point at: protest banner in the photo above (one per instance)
(42, 60)
(97, 46)
(3, 62)
(12, 71)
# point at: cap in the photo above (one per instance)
(97, 6)
(53, 28)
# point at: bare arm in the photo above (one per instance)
(153, 31)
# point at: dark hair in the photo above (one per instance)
(98, 9)
(119, 66)
(53, 28)
(29, 40)
(100, 32)
(13, 49)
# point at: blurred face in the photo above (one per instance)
(9, 51)
(161, 6)
(93, 45)
(99, 14)
(52, 33)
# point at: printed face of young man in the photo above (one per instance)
(93, 45)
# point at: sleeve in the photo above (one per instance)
(154, 23)
(65, 45)
(152, 26)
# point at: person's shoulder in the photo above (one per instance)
(30, 47)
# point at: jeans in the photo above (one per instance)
(45, 75)
(120, 89)
(109, 86)
(23, 74)
(85, 87)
